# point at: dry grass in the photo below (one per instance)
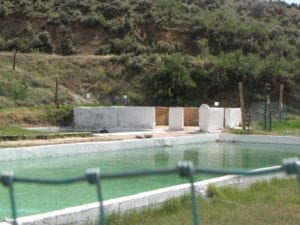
(274, 203)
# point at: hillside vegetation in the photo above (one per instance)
(162, 52)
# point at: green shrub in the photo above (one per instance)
(59, 116)
(165, 47)
(127, 45)
(67, 47)
(13, 90)
(5, 102)
(3, 11)
(93, 20)
(142, 6)
(103, 49)
(43, 42)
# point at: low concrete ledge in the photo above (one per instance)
(89, 214)
(49, 151)
(264, 139)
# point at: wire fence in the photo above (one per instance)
(259, 110)
(183, 169)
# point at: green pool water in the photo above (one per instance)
(33, 199)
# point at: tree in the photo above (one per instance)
(172, 80)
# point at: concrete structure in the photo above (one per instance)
(176, 118)
(233, 117)
(98, 118)
(211, 119)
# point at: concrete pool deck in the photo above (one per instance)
(114, 135)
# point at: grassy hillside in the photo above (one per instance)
(154, 51)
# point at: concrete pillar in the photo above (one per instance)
(211, 118)
(176, 118)
(233, 117)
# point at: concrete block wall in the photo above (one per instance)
(233, 117)
(211, 119)
(98, 118)
(176, 118)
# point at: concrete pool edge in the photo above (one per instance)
(263, 139)
(49, 151)
(89, 213)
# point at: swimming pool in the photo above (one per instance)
(32, 199)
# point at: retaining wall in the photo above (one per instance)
(98, 118)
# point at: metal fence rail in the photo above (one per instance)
(183, 169)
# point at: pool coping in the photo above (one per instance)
(71, 149)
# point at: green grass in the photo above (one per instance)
(13, 133)
(277, 202)
(15, 130)
(289, 127)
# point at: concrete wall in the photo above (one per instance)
(98, 118)
(211, 119)
(176, 118)
(233, 117)
(162, 116)
(191, 116)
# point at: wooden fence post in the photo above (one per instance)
(242, 102)
(14, 59)
(56, 93)
(281, 101)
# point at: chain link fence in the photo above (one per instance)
(258, 111)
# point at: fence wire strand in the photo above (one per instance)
(185, 170)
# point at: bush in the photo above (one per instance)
(127, 45)
(5, 103)
(103, 49)
(43, 42)
(62, 116)
(13, 90)
(165, 47)
(67, 47)
(3, 11)
(114, 9)
(93, 20)
(142, 6)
